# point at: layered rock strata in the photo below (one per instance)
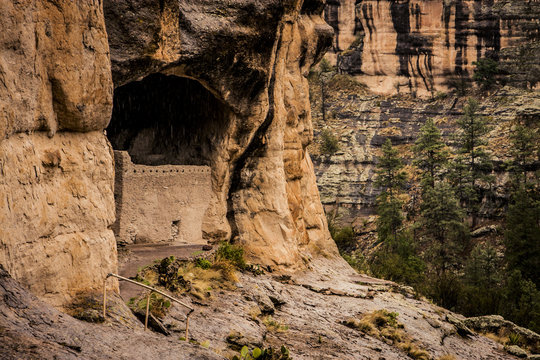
(415, 46)
(361, 121)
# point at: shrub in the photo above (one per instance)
(203, 263)
(264, 354)
(324, 66)
(232, 253)
(273, 325)
(485, 72)
(460, 84)
(329, 143)
(158, 305)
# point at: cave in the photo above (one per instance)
(166, 119)
(165, 131)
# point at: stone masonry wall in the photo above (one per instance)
(159, 203)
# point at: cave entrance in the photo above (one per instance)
(165, 131)
(166, 119)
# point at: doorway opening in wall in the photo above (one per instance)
(166, 131)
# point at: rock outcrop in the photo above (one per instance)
(361, 121)
(197, 83)
(415, 46)
(56, 191)
(308, 316)
(242, 108)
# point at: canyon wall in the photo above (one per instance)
(418, 45)
(241, 107)
(361, 121)
(56, 169)
(198, 83)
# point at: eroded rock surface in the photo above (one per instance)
(361, 121)
(414, 46)
(31, 329)
(249, 121)
(241, 107)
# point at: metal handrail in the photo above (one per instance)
(147, 299)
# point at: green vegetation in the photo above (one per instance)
(263, 354)
(158, 305)
(198, 277)
(273, 325)
(431, 154)
(232, 253)
(329, 143)
(485, 72)
(383, 325)
(471, 169)
(427, 243)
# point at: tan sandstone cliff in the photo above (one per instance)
(56, 175)
(415, 46)
(242, 68)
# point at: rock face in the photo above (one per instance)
(361, 121)
(197, 83)
(54, 67)
(312, 311)
(240, 106)
(415, 46)
(56, 191)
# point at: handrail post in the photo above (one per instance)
(187, 326)
(105, 297)
(152, 290)
(147, 309)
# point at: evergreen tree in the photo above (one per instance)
(485, 72)
(441, 221)
(472, 166)
(482, 282)
(522, 302)
(391, 179)
(522, 235)
(525, 150)
(446, 237)
(430, 153)
(390, 176)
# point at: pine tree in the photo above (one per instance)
(431, 154)
(391, 179)
(445, 237)
(441, 221)
(525, 150)
(522, 235)
(482, 282)
(472, 166)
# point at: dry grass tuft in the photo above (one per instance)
(273, 325)
(383, 325)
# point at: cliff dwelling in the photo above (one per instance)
(163, 130)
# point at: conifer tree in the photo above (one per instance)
(441, 220)
(431, 154)
(472, 166)
(391, 179)
(522, 234)
(446, 237)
